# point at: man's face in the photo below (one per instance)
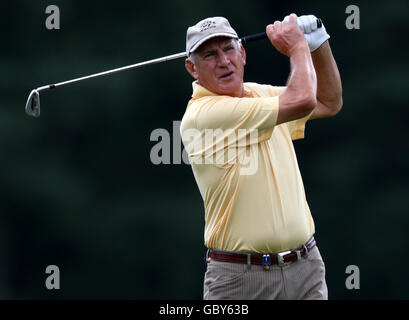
(219, 66)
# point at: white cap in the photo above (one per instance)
(207, 29)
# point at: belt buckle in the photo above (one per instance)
(280, 258)
(266, 262)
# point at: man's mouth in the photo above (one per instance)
(227, 75)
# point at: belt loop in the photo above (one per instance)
(207, 259)
(298, 252)
(306, 250)
(207, 256)
(248, 261)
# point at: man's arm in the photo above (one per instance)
(329, 87)
(299, 98)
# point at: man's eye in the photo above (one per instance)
(229, 48)
(208, 55)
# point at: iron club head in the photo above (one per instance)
(33, 104)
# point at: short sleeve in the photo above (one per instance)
(295, 127)
(230, 113)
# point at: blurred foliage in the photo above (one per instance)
(78, 189)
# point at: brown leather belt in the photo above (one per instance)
(264, 259)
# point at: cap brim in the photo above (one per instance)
(220, 34)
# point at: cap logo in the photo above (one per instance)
(206, 25)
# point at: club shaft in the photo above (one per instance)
(140, 64)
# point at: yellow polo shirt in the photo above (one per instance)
(246, 169)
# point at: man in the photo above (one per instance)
(258, 226)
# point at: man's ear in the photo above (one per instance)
(243, 54)
(190, 67)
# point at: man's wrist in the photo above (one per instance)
(321, 50)
(300, 47)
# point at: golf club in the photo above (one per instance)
(33, 101)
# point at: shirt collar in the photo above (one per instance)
(200, 91)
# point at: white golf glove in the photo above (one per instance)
(315, 36)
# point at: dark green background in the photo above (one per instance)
(78, 189)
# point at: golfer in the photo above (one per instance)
(258, 227)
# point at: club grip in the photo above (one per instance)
(254, 37)
(263, 35)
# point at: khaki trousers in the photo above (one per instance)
(300, 280)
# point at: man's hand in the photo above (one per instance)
(315, 36)
(285, 36)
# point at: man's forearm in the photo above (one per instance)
(300, 96)
(329, 87)
(302, 81)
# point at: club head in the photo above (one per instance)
(33, 104)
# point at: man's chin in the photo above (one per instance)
(231, 89)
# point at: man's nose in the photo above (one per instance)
(223, 59)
